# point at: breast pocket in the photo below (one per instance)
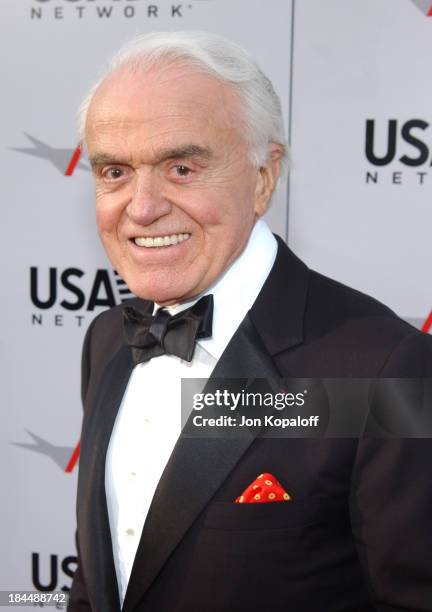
(274, 515)
(267, 556)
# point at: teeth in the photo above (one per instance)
(159, 241)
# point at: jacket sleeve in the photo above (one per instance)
(78, 597)
(391, 497)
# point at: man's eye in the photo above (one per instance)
(182, 170)
(113, 173)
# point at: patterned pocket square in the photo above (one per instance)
(266, 488)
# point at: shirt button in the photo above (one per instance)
(130, 532)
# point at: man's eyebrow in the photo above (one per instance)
(184, 152)
(180, 152)
(102, 159)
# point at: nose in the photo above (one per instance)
(148, 203)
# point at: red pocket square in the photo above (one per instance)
(266, 488)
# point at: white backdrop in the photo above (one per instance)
(351, 62)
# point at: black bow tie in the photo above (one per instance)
(160, 334)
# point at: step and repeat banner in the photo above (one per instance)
(353, 82)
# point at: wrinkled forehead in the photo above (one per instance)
(167, 92)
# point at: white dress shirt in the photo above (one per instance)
(148, 422)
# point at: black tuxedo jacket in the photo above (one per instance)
(357, 535)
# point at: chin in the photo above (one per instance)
(160, 295)
(163, 288)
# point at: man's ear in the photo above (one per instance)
(267, 178)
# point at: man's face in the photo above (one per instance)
(176, 195)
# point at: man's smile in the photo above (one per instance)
(160, 241)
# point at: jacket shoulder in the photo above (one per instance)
(355, 334)
(331, 303)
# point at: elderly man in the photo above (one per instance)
(185, 139)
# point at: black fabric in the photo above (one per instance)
(154, 335)
(357, 535)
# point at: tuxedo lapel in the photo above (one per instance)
(196, 469)
(95, 536)
(279, 310)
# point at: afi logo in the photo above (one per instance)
(382, 150)
(64, 160)
(427, 325)
(424, 5)
(65, 457)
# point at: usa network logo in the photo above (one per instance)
(424, 5)
(399, 152)
(64, 296)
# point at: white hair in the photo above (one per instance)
(220, 58)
